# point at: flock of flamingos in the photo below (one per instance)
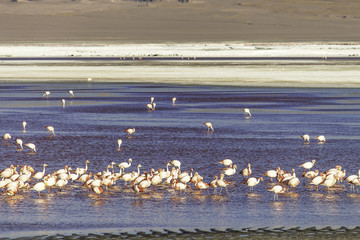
(14, 181)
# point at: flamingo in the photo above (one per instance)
(329, 181)
(8, 172)
(137, 188)
(277, 189)
(294, 182)
(317, 180)
(311, 174)
(40, 186)
(97, 190)
(247, 112)
(272, 173)
(251, 182)
(308, 165)
(179, 186)
(6, 137)
(125, 164)
(82, 171)
(149, 106)
(24, 126)
(222, 183)
(306, 138)
(202, 185)
(32, 147)
(209, 126)
(230, 171)
(20, 143)
(227, 162)
(130, 131)
(40, 175)
(213, 183)
(71, 93)
(119, 142)
(246, 171)
(51, 130)
(321, 138)
(146, 182)
(175, 163)
(156, 180)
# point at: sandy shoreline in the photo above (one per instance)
(265, 73)
(205, 49)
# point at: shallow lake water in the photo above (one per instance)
(88, 126)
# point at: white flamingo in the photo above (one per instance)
(209, 126)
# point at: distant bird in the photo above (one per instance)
(20, 143)
(247, 112)
(227, 162)
(6, 137)
(31, 146)
(89, 79)
(119, 142)
(152, 100)
(173, 100)
(308, 165)
(130, 131)
(71, 93)
(63, 102)
(306, 138)
(149, 106)
(51, 130)
(24, 126)
(209, 126)
(46, 94)
(321, 138)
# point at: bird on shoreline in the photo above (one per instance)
(71, 93)
(46, 94)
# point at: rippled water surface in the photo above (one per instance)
(88, 127)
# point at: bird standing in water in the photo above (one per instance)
(209, 126)
(51, 130)
(247, 112)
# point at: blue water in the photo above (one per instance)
(88, 127)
